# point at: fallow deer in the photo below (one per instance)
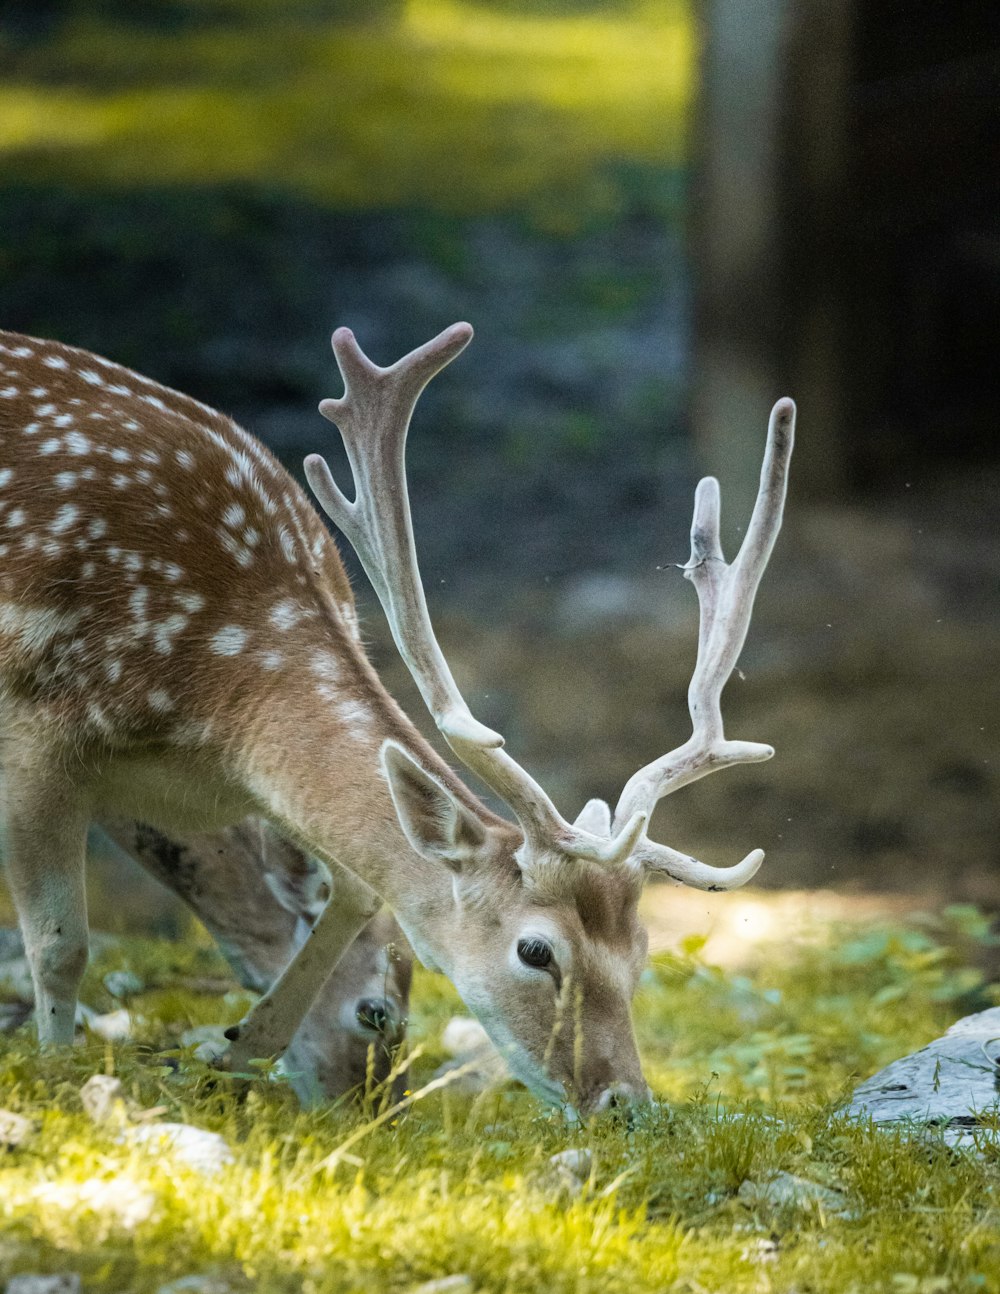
(258, 895)
(178, 644)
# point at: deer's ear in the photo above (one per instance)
(437, 825)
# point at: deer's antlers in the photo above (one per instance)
(373, 416)
(725, 595)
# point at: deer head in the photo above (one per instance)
(544, 942)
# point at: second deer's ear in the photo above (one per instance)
(438, 826)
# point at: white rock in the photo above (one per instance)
(462, 1036)
(199, 1283)
(568, 1171)
(197, 1147)
(64, 1283)
(469, 1043)
(124, 983)
(577, 1162)
(104, 1099)
(762, 1249)
(445, 1285)
(948, 1086)
(208, 1040)
(113, 1026)
(15, 1129)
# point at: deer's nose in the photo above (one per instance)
(622, 1096)
(375, 1013)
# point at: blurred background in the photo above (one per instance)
(660, 215)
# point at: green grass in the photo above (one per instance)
(450, 106)
(750, 1066)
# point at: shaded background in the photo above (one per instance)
(660, 216)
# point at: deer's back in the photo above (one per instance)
(153, 556)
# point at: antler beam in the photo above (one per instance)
(373, 417)
(726, 596)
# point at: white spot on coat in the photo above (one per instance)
(228, 641)
(165, 633)
(286, 614)
(325, 666)
(189, 600)
(64, 518)
(77, 443)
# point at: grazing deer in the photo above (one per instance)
(178, 644)
(258, 895)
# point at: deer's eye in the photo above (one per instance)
(535, 952)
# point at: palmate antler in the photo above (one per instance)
(373, 417)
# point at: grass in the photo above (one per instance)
(450, 105)
(750, 1066)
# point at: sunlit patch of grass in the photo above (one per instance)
(452, 106)
(754, 1063)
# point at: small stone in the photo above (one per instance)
(462, 1036)
(199, 1149)
(64, 1283)
(782, 1190)
(15, 1129)
(113, 1026)
(105, 1101)
(208, 1040)
(124, 983)
(198, 1283)
(762, 1249)
(577, 1162)
(445, 1285)
(567, 1172)
(469, 1043)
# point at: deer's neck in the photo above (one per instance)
(310, 755)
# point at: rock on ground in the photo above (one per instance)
(15, 1129)
(952, 1085)
(64, 1283)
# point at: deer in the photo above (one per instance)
(179, 644)
(258, 895)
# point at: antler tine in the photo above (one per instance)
(373, 417)
(726, 597)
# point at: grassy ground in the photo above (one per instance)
(750, 1063)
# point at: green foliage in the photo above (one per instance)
(347, 1198)
(443, 104)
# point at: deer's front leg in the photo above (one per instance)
(45, 852)
(271, 1024)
